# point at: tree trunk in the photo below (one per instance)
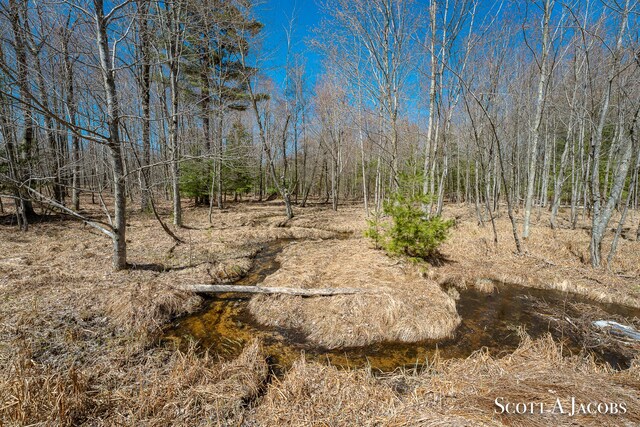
(559, 179)
(365, 191)
(334, 183)
(305, 292)
(601, 220)
(18, 16)
(284, 191)
(114, 144)
(623, 217)
(173, 148)
(542, 85)
(6, 118)
(145, 95)
(173, 25)
(602, 215)
(220, 160)
(49, 127)
(430, 149)
(72, 106)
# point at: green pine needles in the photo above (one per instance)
(411, 231)
(195, 178)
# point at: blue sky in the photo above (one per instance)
(276, 16)
(307, 16)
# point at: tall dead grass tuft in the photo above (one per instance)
(455, 392)
(535, 372)
(37, 393)
(313, 394)
(401, 307)
(189, 389)
(144, 308)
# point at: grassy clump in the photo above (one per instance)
(455, 392)
(412, 232)
(398, 305)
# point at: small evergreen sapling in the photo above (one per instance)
(411, 232)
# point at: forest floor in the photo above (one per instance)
(553, 259)
(81, 344)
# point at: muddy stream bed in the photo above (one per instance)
(224, 326)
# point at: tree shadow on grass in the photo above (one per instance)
(47, 218)
(439, 259)
(159, 268)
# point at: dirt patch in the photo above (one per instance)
(402, 307)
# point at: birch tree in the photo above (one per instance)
(543, 63)
(373, 42)
(603, 209)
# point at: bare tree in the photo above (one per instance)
(143, 77)
(373, 43)
(537, 119)
(333, 113)
(18, 17)
(171, 17)
(114, 143)
(602, 210)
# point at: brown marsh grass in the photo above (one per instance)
(554, 259)
(456, 392)
(403, 306)
(79, 343)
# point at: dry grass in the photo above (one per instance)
(33, 392)
(348, 219)
(79, 343)
(452, 393)
(576, 320)
(537, 372)
(188, 389)
(555, 259)
(320, 395)
(144, 309)
(405, 307)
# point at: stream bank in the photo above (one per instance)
(494, 321)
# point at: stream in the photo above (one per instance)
(224, 326)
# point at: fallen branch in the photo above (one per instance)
(305, 292)
(98, 225)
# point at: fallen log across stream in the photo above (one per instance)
(305, 292)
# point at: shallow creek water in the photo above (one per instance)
(225, 326)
